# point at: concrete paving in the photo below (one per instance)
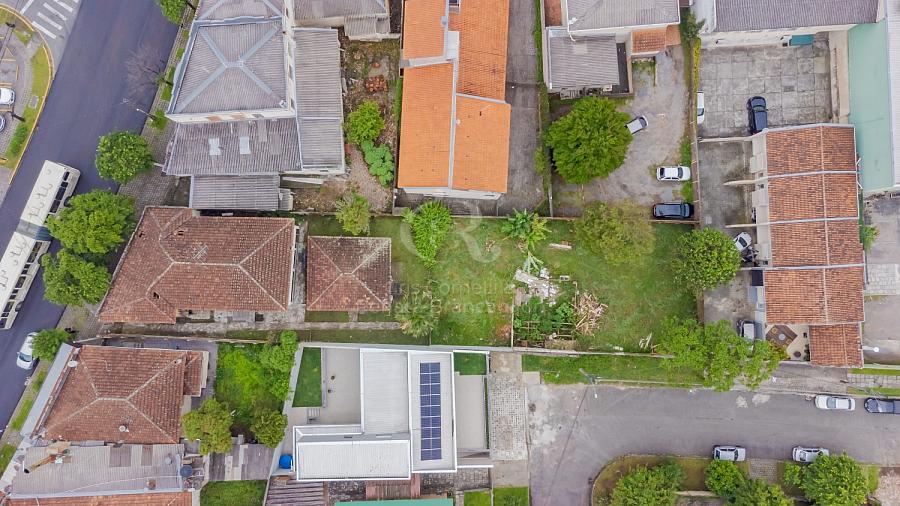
(53, 21)
(573, 434)
(882, 304)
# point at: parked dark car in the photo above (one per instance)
(673, 211)
(891, 406)
(758, 114)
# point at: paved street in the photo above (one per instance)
(568, 451)
(84, 103)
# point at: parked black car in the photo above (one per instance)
(891, 406)
(758, 114)
(673, 211)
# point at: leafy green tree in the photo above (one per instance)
(416, 313)
(173, 9)
(690, 27)
(72, 280)
(615, 233)
(93, 223)
(380, 161)
(835, 480)
(724, 479)
(211, 424)
(649, 486)
(364, 124)
(278, 360)
(706, 258)
(354, 213)
(47, 343)
(590, 141)
(759, 493)
(123, 155)
(430, 225)
(268, 427)
(764, 359)
(526, 227)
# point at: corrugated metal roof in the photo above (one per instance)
(320, 109)
(893, 47)
(320, 9)
(748, 15)
(235, 192)
(597, 14)
(354, 459)
(581, 61)
(385, 392)
(228, 9)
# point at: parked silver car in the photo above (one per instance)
(637, 124)
(742, 241)
(25, 358)
(7, 96)
(835, 402)
(701, 108)
(730, 453)
(807, 455)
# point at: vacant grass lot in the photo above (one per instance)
(243, 384)
(511, 496)
(567, 370)
(308, 391)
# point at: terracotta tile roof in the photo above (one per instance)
(177, 260)
(140, 388)
(425, 126)
(480, 165)
(673, 35)
(348, 274)
(553, 13)
(814, 296)
(483, 27)
(810, 149)
(652, 40)
(816, 243)
(813, 196)
(423, 33)
(146, 499)
(835, 345)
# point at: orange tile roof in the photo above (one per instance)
(425, 125)
(652, 40)
(814, 296)
(481, 155)
(835, 345)
(673, 35)
(810, 149)
(816, 243)
(553, 13)
(423, 33)
(142, 499)
(483, 27)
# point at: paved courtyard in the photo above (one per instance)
(883, 281)
(795, 82)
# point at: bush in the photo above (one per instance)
(527, 228)
(364, 124)
(430, 225)
(706, 258)
(759, 493)
(723, 478)
(211, 424)
(269, 427)
(380, 161)
(17, 141)
(278, 360)
(158, 119)
(123, 155)
(173, 9)
(615, 233)
(416, 313)
(47, 343)
(72, 280)
(591, 141)
(94, 223)
(867, 236)
(649, 486)
(354, 214)
(836, 480)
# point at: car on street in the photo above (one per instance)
(742, 241)
(673, 211)
(25, 358)
(701, 108)
(637, 124)
(891, 406)
(673, 173)
(730, 453)
(806, 454)
(758, 114)
(7, 96)
(835, 403)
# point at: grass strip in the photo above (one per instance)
(40, 71)
(568, 370)
(308, 391)
(233, 493)
(511, 496)
(470, 364)
(477, 498)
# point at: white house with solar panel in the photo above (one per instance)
(388, 414)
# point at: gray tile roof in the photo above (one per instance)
(746, 15)
(235, 65)
(582, 62)
(320, 109)
(597, 14)
(235, 192)
(273, 148)
(229, 9)
(320, 9)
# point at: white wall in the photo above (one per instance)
(763, 37)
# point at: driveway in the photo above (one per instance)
(662, 98)
(883, 281)
(573, 435)
(794, 80)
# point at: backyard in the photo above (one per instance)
(246, 385)
(308, 391)
(233, 493)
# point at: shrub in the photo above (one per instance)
(17, 141)
(591, 141)
(364, 124)
(278, 360)
(649, 486)
(430, 225)
(759, 493)
(173, 9)
(416, 313)
(123, 155)
(615, 233)
(158, 119)
(690, 27)
(211, 424)
(867, 236)
(72, 280)
(706, 258)
(268, 427)
(47, 343)
(94, 223)
(380, 161)
(723, 478)
(525, 227)
(836, 480)
(354, 214)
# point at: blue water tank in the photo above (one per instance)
(286, 461)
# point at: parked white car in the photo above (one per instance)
(835, 402)
(701, 108)
(742, 241)
(636, 125)
(7, 96)
(673, 173)
(807, 455)
(730, 453)
(25, 358)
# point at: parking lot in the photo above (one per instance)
(794, 80)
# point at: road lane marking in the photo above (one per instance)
(47, 32)
(50, 21)
(54, 11)
(64, 6)
(27, 5)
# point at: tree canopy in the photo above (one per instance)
(173, 9)
(706, 258)
(724, 479)
(123, 155)
(268, 427)
(615, 233)
(590, 141)
(644, 486)
(93, 223)
(758, 492)
(354, 213)
(47, 343)
(835, 480)
(72, 280)
(211, 424)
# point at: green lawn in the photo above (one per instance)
(333, 336)
(876, 371)
(470, 363)
(566, 370)
(511, 496)
(233, 493)
(308, 392)
(477, 498)
(882, 391)
(243, 383)
(6, 455)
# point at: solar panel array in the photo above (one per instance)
(430, 397)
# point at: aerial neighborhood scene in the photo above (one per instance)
(449, 252)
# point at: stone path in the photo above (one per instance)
(764, 469)
(882, 279)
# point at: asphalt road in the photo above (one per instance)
(85, 102)
(573, 435)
